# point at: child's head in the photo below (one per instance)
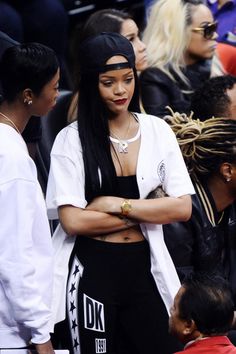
(203, 307)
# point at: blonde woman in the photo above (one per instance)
(181, 40)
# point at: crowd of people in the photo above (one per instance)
(141, 186)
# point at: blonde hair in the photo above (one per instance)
(167, 36)
(205, 145)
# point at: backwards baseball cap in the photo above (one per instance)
(95, 51)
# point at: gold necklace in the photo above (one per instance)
(11, 122)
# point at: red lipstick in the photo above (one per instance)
(121, 101)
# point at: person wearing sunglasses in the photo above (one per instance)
(181, 40)
(207, 30)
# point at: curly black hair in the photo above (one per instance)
(211, 99)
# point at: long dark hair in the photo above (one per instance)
(94, 136)
(106, 20)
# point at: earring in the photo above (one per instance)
(228, 179)
(29, 102)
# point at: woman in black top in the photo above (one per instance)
(103, 166)
(181, 38)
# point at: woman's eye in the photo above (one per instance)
(131, 39)
(128, 80)
(107, 83)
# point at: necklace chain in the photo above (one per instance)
(123, 143)
(11, 122)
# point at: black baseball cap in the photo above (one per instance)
(96, 50)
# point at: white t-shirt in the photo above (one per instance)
(160, 162)
(26, 252)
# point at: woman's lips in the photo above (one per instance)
(121, 101)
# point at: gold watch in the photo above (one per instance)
(126, 207)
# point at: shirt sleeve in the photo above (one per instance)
(66, 176)
(17, 261)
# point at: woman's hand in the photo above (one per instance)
(45, 348)
(110, 205)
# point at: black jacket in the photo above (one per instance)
(158, 90)
(199, 246)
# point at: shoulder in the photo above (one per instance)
(15, 163)
(153, 122)
(154, 74)
(67, 139)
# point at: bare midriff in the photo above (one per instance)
(133, 234)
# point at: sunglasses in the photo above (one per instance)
(207, 30)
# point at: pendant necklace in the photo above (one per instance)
(123, 143)
(11, 122)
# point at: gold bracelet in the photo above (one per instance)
(126, 207)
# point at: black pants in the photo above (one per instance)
(113, 305)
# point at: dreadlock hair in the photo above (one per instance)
(205, 145)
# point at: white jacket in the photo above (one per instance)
(160, 162)
(25, 247)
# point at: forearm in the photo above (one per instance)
(76, 221)
(158, 211)
(161, 211)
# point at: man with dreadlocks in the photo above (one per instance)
(207, 242)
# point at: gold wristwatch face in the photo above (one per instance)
(126, 207)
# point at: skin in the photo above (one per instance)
(232, 108)
(116, 85)
(130, 30)
(45, 348)
(46, 100)
(20, 112)
(184, 330)
(101, 219)
(221, 3)
(199, 47)
(222, 186)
